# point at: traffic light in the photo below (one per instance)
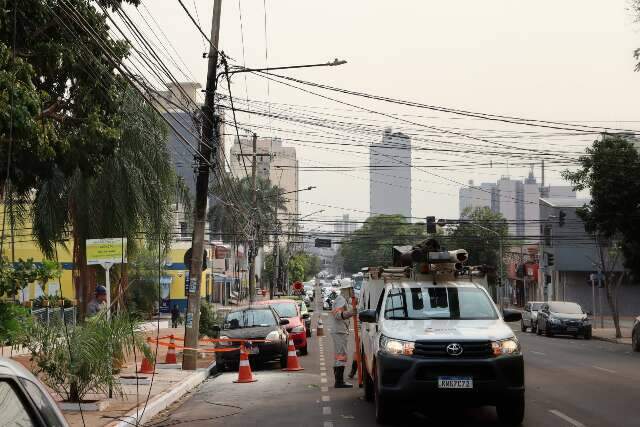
(561, 216)
(431, 225)
(550, 260)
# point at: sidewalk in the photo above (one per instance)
(609, 334)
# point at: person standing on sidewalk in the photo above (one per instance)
(175, 316)
(341, 313)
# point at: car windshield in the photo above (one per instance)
(249, 319)
(565, 307)
(536, 306)
(426, 302)
(285, 309)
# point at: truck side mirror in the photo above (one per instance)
(367, 316)
(511, 315)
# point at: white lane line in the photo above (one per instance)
(323, 380)
(611, 371)
(538, 352)
(328, 424)
(567, 418)
(323, 374)
(326, 410)
(324, 389)
(326, 398)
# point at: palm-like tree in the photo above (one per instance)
(130, 196)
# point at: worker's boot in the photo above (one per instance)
(339, 375)
(354, 369)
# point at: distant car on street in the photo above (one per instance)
(289, 309)
(635, 334)
(259, 323)
(24, 401)
(563, 318)
(530, 315)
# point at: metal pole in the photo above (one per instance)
(254, 244)
(600, 300)
(593, 295)
(107, 283)
(208, 146)
(501, 273)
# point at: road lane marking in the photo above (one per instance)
(326, 410)
(324, 389)
(326, 398)
(567, 418)
(323, 374)
(538, 352)
(611, 371)
(323, 380)
(328, 424)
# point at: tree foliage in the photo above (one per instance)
(373, 243)
(482, 245)
(609, 171)
(16, 276)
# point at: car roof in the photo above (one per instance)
(15, 369)
(275, 301)
(430, 284)
(535, 302)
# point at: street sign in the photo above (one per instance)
(100, 251)
(298, 286)
(323, 243)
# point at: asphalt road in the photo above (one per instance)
(569, 383)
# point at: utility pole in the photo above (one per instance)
(253, 249)
(208, 145)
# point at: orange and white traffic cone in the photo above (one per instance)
(292, 359)
(171, 352)
(320, 329)
(244, 370)
(146, 367)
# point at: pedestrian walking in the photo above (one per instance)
(341, 313)
(99, 302)
(175, 316)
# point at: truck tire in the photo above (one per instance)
(368, 382)
(511, 410)
(383, 413)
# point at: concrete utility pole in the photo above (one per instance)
(208, 146)
(253, 249)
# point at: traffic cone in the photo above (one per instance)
(292, 359)
(320, 329)
(146, 367)
(244, 370)
(171, 352)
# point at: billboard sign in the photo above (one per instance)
(104, 251)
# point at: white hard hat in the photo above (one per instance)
(346, 284)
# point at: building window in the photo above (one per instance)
(184, 232)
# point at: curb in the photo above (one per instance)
(161, 401)
(611, 340)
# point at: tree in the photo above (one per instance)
(296, 269)
(373, 243)
(482, 245)
(610, 170)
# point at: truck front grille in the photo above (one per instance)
(438, 349)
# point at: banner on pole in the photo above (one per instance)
(101, 251)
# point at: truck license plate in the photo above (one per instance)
(455, 382)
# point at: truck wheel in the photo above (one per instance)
(511, 410)
(283, 360)
(382, 409)
(368, 382)
(587, 334)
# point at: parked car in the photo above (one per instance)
(24, 401)
(259, 323)
(289, 309)
(530, 315)
(304, 311)
(563, 318)
(635, 334)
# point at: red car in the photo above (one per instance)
(289, 309)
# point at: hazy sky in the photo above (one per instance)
(556, 60)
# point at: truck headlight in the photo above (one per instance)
(397, 347)
(298, 329)
(508, 346)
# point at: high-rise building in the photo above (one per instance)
(517, 201)
(276, 163)
(390, 175)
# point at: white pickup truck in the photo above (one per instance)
(438, 337)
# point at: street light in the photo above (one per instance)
(240, 69)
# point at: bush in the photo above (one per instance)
(209, 319)
(15, 322)
(75, 361)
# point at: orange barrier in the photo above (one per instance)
(146, 367)
(320, 329)
(244, 369)
(292, 359)
(171, 353)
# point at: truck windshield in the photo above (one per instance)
(425, 302)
